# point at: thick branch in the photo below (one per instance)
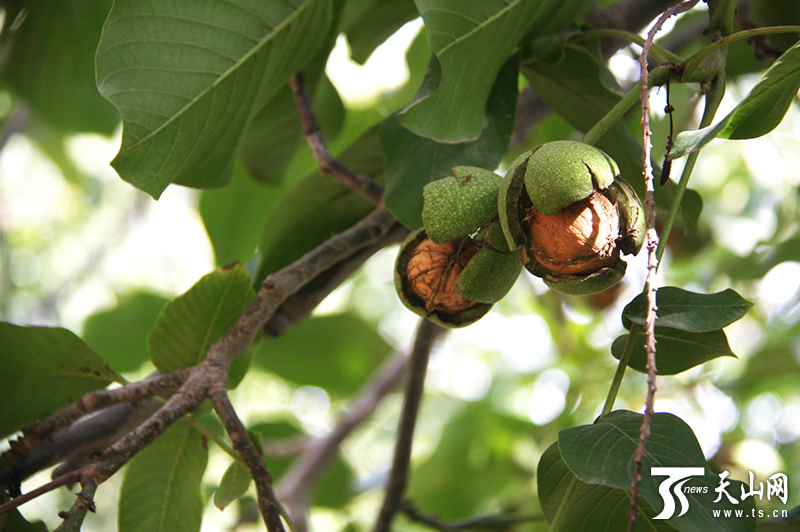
(360, 183)
(427, 334)
(300, 305)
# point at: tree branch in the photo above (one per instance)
(63, 480)
(199, 381)
(652, 260)
(360, 183)
(306, 471)
(300, 305)
(267, 503)
(427, 333)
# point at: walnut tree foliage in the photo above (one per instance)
(201, 91)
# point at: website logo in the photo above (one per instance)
(676, 478)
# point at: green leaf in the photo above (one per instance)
(766, 104)
(471, 41)
(606, 508)
(688, 311)
(317, 208)
(473, 459)
(603, 453)
(233, 485)
(194, 320)
(234, 215)
(413, 161)
(759, 113)
(337, 353)
(161, 488)
(119, 334)
(186, 101)
(50, 64)
(373, 25)
(44, 358)
(676, 350)
(275, 133)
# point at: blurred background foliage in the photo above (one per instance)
(83, 250)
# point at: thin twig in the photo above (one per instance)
(652, 261)
(69, 478)
(99, 399)
(304, 474)
(267, 503)
(357, 182)
(427, 333)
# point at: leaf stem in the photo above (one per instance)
(698, 57)
(657, 77)
(621, 367)
(713, 99)
(662, 55)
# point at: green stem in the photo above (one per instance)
(662, 55)
(562, 508)
(698, 58)
(621, 367)
(612, 116)
(657, 77)
(713, 99)
(222, 444)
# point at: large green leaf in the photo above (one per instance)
(688, 311)
(39, 359)
(413, 161)
(317, 208)
(471, 41)
(676, 350)
(372, 25)
(186, 100)
(50, 64)
(161, 488)
(119, 334)
(275, 132)
(759, 113)
(194, 320)
(603, 453)
(234, 215)
(593, 507)
(337, 353)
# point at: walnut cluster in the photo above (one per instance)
(433, 270)
(577, 240)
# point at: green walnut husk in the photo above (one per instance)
(459, 205)
(436, 269)
(565, 205)
(560, 173)
(489, 275)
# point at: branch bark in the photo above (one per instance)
(651, 244)
(427, 333)
(328, 165)
(297, 483)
